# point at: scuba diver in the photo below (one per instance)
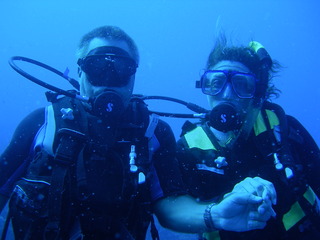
(246, 135)
(96, 164)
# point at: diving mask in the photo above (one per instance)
(214, 81)
(108, 66)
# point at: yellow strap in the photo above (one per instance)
(211, 235)
(197, 138)
(293, 216)
(259, 125)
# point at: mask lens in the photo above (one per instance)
(213, 82)
(244, 84)
(125, 67)
(95, 66)
(108, 69)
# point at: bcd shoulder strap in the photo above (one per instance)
(69, 142)
(143, 125)
(271, 137)
(273, 143)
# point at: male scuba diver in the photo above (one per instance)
(246, 135)
(98, 164)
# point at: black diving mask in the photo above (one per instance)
(108, 66)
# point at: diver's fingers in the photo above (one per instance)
(247, 185)
(266, 189)
(256, 216)
(263, 208)
(252, 224)
(263, 213)
(249, 198)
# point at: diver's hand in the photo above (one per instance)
(238, 212)
(262, 188)
(250, 205)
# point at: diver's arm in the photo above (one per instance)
(19, 147)
(181, 213)
(247, 207)
(13, 158)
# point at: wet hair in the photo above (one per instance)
(245, 55)
(107, 33)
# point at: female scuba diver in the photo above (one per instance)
(246, 136)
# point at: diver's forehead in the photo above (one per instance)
(99, 42)
(231, 66)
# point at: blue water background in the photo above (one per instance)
(174, 38)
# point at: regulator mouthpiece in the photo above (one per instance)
(225, 118)
(108, 105)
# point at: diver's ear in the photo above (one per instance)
(79, 72)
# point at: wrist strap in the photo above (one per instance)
(208, 218)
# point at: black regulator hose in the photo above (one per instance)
(202, 112)
(73, 82)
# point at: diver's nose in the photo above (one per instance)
(228, 92)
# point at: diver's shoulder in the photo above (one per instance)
(36, 114)
(34, 118)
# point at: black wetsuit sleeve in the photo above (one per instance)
(165, 163)
(308, 151)
(20, 145)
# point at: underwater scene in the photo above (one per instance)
(174, 39)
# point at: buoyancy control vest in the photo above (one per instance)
(270, 138)
(85, 167)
